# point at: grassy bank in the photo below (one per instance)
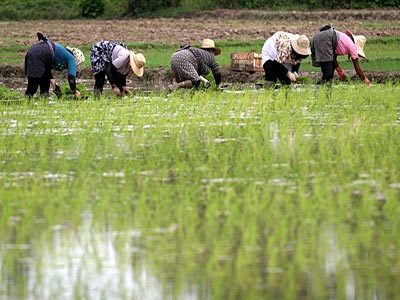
(383, 54)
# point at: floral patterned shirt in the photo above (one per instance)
(278, 48)
(284, 49)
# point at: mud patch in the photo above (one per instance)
(157, 79)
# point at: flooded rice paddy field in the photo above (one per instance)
(286, 194)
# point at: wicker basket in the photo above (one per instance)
(250, 62)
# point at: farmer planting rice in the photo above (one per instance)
(328, 43)
(116, 61)
(45, 56)
(189, 64)
(282, 54)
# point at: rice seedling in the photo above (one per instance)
(278, 194)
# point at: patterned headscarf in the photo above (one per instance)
(78, 54)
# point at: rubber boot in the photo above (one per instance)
(180, 85)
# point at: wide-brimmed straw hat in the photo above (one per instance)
(78, 54)
(209, 44)
(301, 44)
(137, 63)
(360, 41)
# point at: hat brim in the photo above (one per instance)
(217, 51)
(299, 50)
(360, 49)
(361, 53)
(138, 71)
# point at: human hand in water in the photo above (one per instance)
(341, 74)
(291, 76)
(57, 91)
(116, 90)
(205, 81)
(367, 82)
(125, 90)
(55, 87)
(77, 94)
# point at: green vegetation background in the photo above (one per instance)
(70, 9)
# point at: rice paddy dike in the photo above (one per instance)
(253, 194)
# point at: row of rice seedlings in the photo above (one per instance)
(291, 191)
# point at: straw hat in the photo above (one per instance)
(137, 63)
(360, 41)
(78, 54)
(209, 44)
(301, 44)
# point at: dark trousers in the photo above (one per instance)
(35, 82)
(274, 71)
(327, 69)
(100, 78)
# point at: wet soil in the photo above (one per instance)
(243, 25)
(159, 78)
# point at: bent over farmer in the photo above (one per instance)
(189, 64)
(282, 54)
(45, 56)
(117, 62)
(328, 43)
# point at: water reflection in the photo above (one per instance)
(253, 199)
(86, 263)
(98, 263)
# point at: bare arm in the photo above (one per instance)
(360, 72)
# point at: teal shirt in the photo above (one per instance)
(64, 60)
